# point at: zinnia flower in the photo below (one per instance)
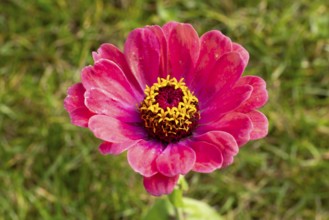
(174, 101)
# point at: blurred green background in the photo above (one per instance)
(50, 169)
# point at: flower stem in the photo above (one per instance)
(179, 213)
(176, 198)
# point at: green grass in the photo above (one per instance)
(50, 169)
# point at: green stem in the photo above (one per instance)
(176, 198)
(178, 213)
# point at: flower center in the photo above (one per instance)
(169, 110)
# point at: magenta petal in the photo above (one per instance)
(111, 52)
(101, 102)
(74, 97)
(224, 75)
(259, 95)
(74, 104)
(208, 157)
(112, 130)
(226, 102)
(108, 76)
(142, 51)
(159, 184)
(168, 27)
(260, 125)
(163, 72)
(243, 52)
(238, 125)
(213, 45)
(142, 157)
(227, 160)
(80, 116)
(115, 148)
(184, 46)
(176, 159)
(224, 141)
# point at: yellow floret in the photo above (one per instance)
(169, 121)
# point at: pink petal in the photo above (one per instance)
(74, 104)
(223, 141)
(142, 52)
(108, 76)
(112, 130)
(224, 75)
(226, 102)
(208, 157)
(115, 148)
(168, 27)
(159, 184)
(142, 157)
(74, 98)
(80, 116)
(101, 102)
(163, 72)
(259, 95)
(242, 51)
(176, 159)
(238, 125)
(184, 46)
(111, 52)
(213, 45)
(227, 160)
(260, 125)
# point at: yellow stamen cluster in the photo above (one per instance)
(172, 123)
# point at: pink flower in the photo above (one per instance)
(174, 101)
